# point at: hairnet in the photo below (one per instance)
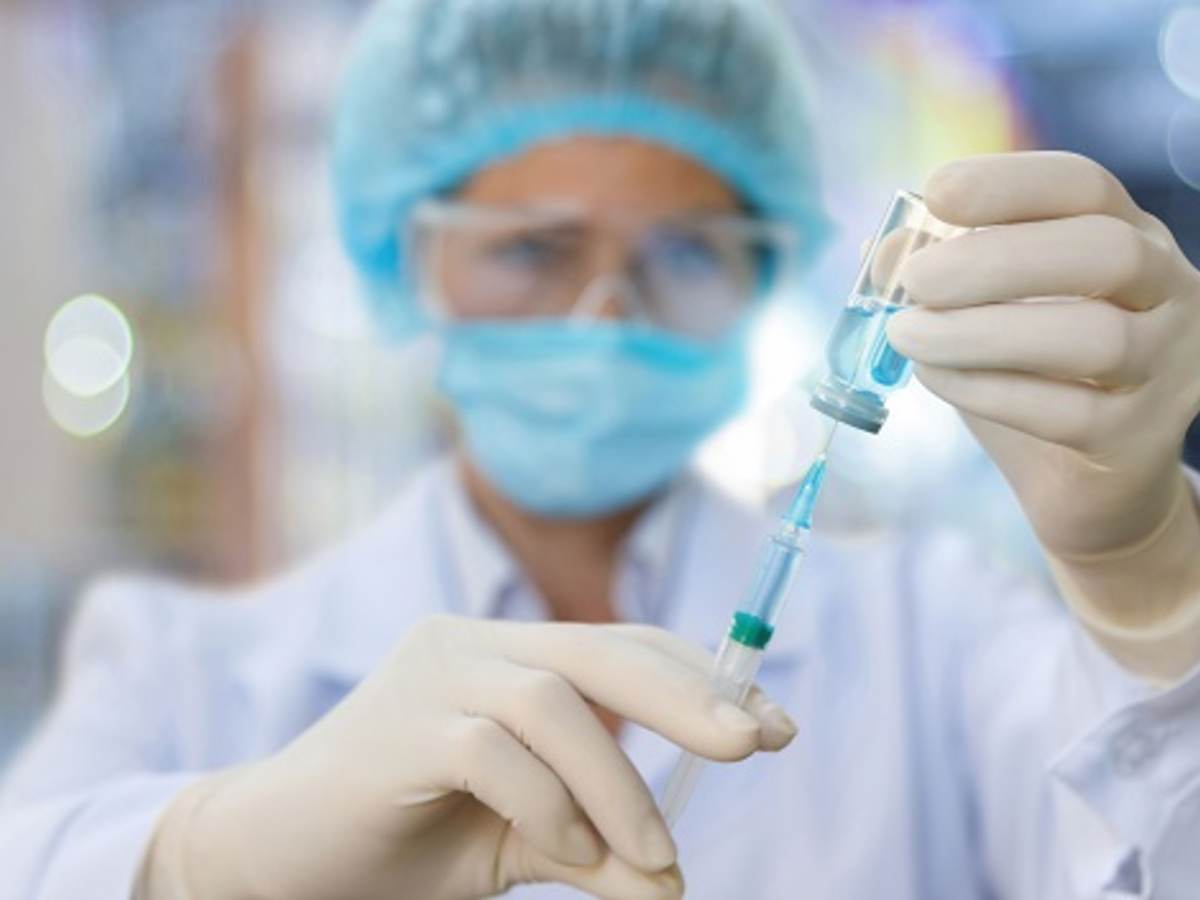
(437, 89)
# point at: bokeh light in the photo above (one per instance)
(89, 352)
(1179, 49)
(85, 416)
(1183, 144)
(89, 345)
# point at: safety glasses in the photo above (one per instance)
(696, 275)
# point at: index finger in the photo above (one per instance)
(640, 683)
(757, 703)
(1003, 188)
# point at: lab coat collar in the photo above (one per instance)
(379, 584)
(480, 566)
(653, 552)
(484, 572)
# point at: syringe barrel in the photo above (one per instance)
(776, 575)
(733, 675)
(734, 670)
(753, 625)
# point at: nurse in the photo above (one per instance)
(588, 202)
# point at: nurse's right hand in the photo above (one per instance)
(471, 761)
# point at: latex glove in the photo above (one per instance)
(1083, 397)
(469, 762)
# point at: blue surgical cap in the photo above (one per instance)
(438, 89)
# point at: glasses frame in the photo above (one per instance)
(779, 235)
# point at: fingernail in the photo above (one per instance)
(949, 187)
(658, 844)
(583, 844)
(734, 718)
(915, 274)
(779, 727)
(671, 883)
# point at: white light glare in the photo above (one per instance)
(1183, 145)
(1179, 49)
(89, 350)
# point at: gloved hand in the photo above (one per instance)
(469, 762)
(1067, 331)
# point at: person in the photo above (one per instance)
(589, 202)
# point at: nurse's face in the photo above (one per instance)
(615, 196)
(582, 422)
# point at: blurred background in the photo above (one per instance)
(188, 384)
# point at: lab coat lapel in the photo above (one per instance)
(388, 579)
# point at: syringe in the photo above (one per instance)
(753, 623)
(863, 370)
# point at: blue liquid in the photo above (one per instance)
(859, 353)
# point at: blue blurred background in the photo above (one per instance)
(170, 155)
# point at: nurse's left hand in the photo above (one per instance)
(1067, 332)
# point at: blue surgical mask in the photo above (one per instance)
(573, 420)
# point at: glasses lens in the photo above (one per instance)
(481, 270)
(701, 278)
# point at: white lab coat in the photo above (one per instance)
(959, 736)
